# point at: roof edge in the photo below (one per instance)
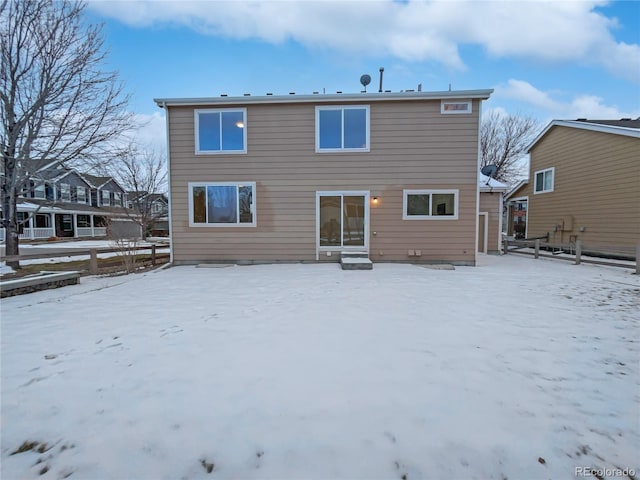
(325, 98)
(595, 127)
(515, 188)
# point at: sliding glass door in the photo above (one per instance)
(343, 219)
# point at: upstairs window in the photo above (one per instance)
(65, 192)
(430, 204)
(221, 131)
(106, 198)
(544, 181)
(117, 199)
(81, 194)
(39, 191)
(342, 129)
(222, 204)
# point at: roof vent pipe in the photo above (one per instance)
(381, 72)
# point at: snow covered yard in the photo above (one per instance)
(516, 369)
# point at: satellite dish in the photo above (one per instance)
(365, 80)
(489, 170)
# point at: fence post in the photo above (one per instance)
(153, 254)
(638, 259)
(578, 251)
(93, 262)
(505, 245)
(536, 253)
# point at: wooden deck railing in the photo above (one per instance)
(574, 252)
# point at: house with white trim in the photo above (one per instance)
(584, 184)
(306, 178)
(61, 202)
(490, 214)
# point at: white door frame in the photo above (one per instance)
(526, 221)
(342, 193)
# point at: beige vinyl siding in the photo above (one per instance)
(412, 146)
(596, 185)
(490, 203)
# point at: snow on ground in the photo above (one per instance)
(517, 369)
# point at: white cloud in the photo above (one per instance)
(152, 131)
(580, 106)
(556, 32)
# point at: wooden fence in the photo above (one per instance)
(156, 257)
(576, 255)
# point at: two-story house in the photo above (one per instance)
(306, 177)
(61, 202)
(584, 184)
(153, 209)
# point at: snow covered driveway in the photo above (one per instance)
(515, 369)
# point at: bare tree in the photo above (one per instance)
(56, 102)
(503, 143)
(143, 173)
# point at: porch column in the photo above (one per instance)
(53, 224)
(93, 234)
(31, 225)
(75, 225)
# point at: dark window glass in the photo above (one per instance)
(209, 131)
(443, 204)
(199, 205)
(418, 204)
(232, 131)
(355, 128)
(222, 204)
(246, 199)
(330, 128)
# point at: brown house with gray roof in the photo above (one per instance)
(309, 177)
(584, 184)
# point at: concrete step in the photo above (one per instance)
(356, 263)
(354, 254)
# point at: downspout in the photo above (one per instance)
(500, 214)
(169, 216)
(479, 161)
(317, 240)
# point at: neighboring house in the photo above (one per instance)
(585, 186)
(154, 209)
(490, 214)
(305, 177)
(64, 203)
(515, 211)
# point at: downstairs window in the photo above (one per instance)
(430, 204)
(222, 204)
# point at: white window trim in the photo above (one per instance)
(456, 199)
(343, 193)
(343, 108)
(254, 208)
(196, 119)
(469, 103)
(117, 199)
(553, 180)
